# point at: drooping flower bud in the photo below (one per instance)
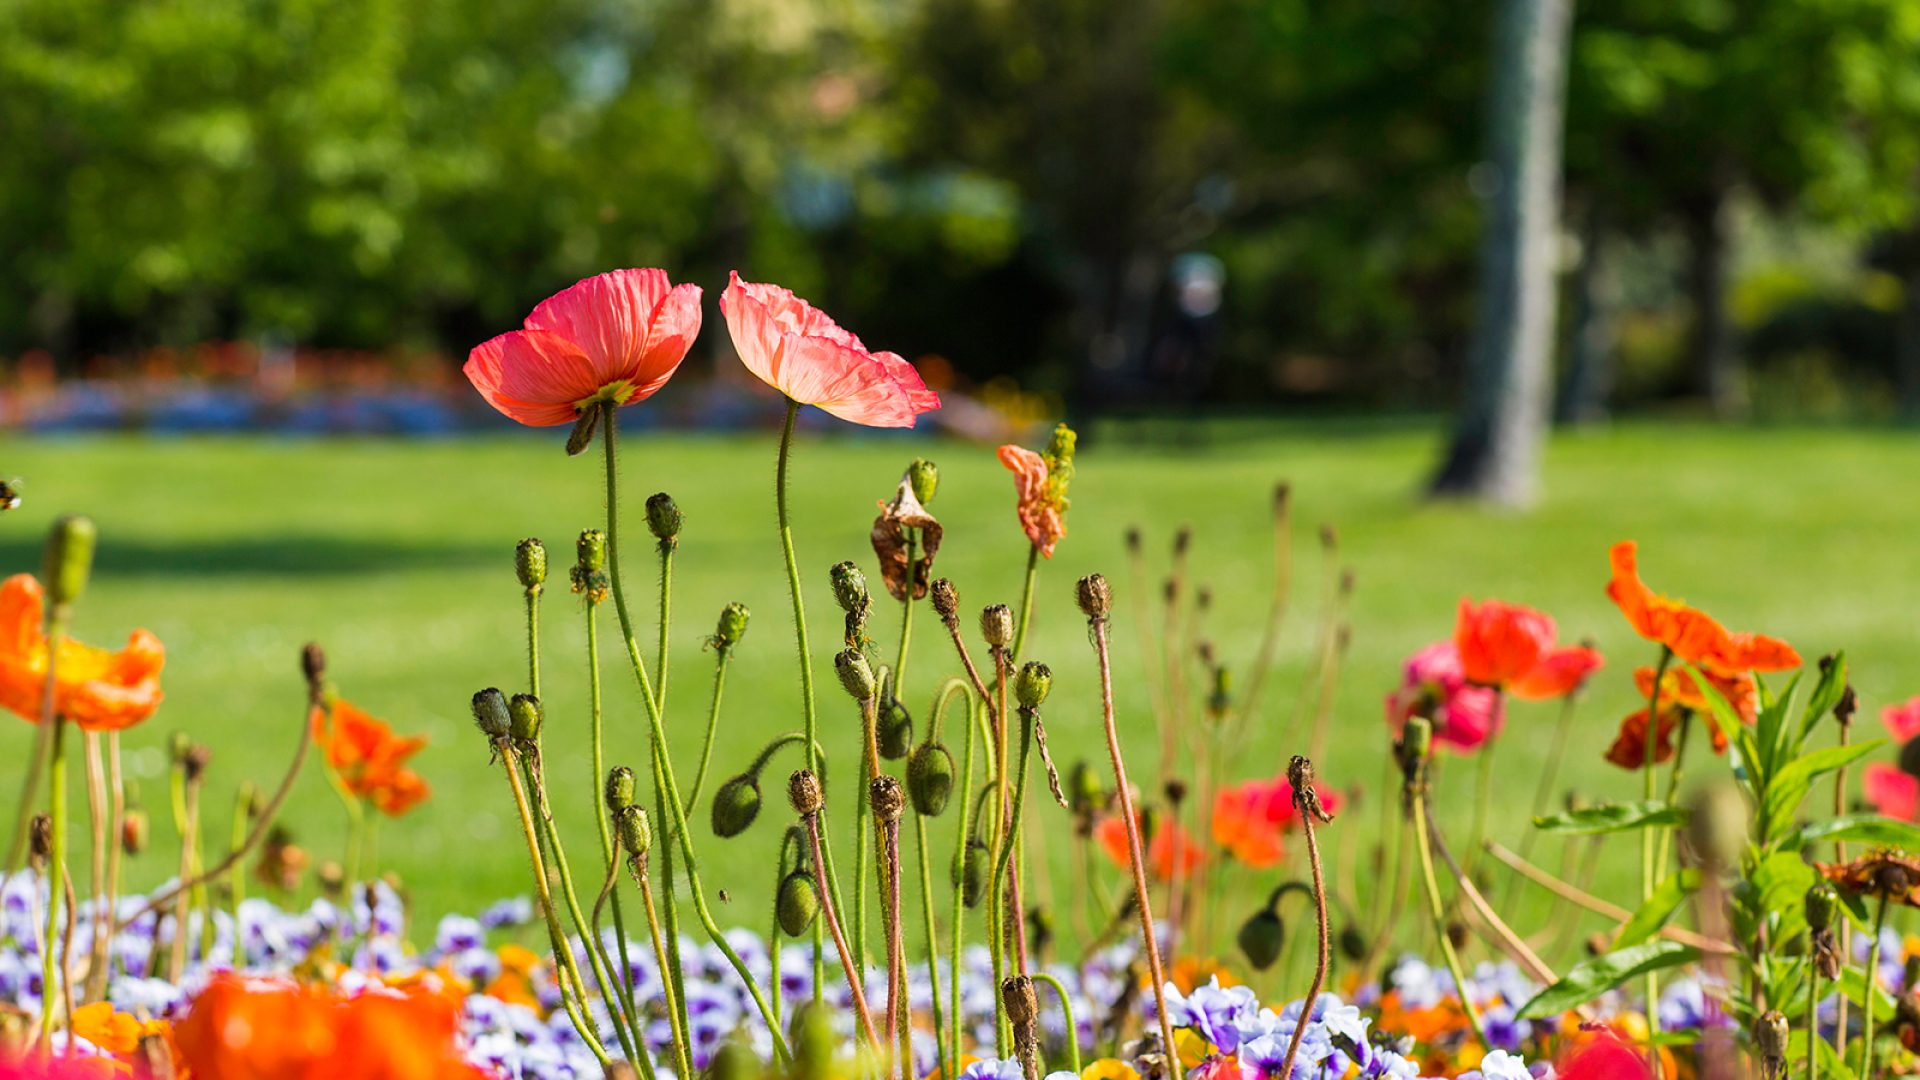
(734, 1060)
(527, 717)
(856, 674)
(946, 601)
(924, 475)
(193, 763)
(581, 436)
(1031, 685)
(636, 831)
(735, 805)
(1353, 944)
(1084, 792)
(930, 779)
(796, 904)
(815, 1042)
(996, 625)
(619, 791)
(803, 792)
(1261, 938)
(530, 563)
(663, 519)
(1095, 596)
(973, 873)
(893, 730)
(67, 561)
(886, 799)
(490, 714)
(731, 627)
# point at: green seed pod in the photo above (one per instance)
(930, 779)
(924, 476)
(996, 625)
(491, 715)
(636, 832)
(1031, 685)
(530, 563)
(735, 805)
(849, 587)
(663, 518)
(590, 550)
(527, 716)
(856, 674)
(1261, 938)
(797, 902)
(973, 874)
(67, 561)
(732, 626)
(893, 730)
(1820, 904)
(619, 788)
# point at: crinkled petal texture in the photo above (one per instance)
(1039, 513)
(96, 689)
(795, 348)
(370, 758)
(619, 336)
(1692, 634)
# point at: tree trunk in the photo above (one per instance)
(1718, 369)
(1907, 346)
(1596, 296)
(1495, 450)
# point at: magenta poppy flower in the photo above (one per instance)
(616, 337)
(795, 348)
(1435, 686)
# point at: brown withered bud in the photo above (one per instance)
(887, 799)
(1133, 539)
(1095, 596)
(1176, 790)
(1457, 933)
(946, 602)
(1023, 1016)
(1770, 1042)
(1848, 704)
(1306, 793)
(313, 663)
(996, 625)
(1282, 496)
(1182, 540)
(40, 837)
(194, 762)
(803, 792)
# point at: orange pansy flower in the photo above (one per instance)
(369, 757)
(1692, 634)
(96, 689)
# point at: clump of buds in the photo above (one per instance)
(850, 591)
(530, 564)
(589, 573)
(663, 520)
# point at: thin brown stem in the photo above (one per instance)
(1596, 905)
(812, 822)
(1306, 800)
(1502, 934)
(97, 818)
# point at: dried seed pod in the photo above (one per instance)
(663, 518)
(1095, 596)
(946, 602)
(490, 714)
(996, 625)
(803, 792)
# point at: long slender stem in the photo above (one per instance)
(1813, 1014)
(899, 1009)
(676, 967)
(906, 612)
(1872, 988)
(1303, 800)
(1003, 861)
(1277, 613)
(832, 920)
(933, 936)
(725, 654)
(1503, 934)
(1649, 869)
(117, 796)
(1136, 858)
(1436, 908)
(609, 854)
(1066, 1009)
(97, 817)
(1026, 601)
(1840, 856)
(1581, 898)
(959, 891)
(56, 869)
(683, 1052)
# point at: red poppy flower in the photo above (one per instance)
(1512, 647)
(1692, 634)
(1171, 847)
(1629, 749)
(370, 758)
(1891, 791)
(1464, 716)
(96, 689)
(616, 337)
(795, 348)
(1902, 721)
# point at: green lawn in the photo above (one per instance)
(398, 557)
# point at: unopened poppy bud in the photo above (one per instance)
(581, 436)
(1261, 938)
(886, 799)
(636, 831)
(1770, 1041)
(815, 1043)
(893, 731)
(973, 873)
(1221, 699)
(1182, 540)
(946, 601)
(1023, 1007)
(1820, 903)
(663, 518)
(731, 627)
(1095, 596)
(527, 716)
(735, 805)
(1031, 685)
(590, 550)
(856, 674)
(1133, 539)
(797, 902)
(803, 792)
(1416, 745)
(313, 663)
(849, 586)
(619, 792)
(1353, 944)
(930, 779)
(1717, 825)
(135, 832)
(490, 713)
(67, 561)
(924, 475)
(40, 837)
(1084, 791)
(530, 563)
(996, 625)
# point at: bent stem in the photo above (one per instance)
(1305, 804)
(959, 882)
(1066, 1009)
(724, 654)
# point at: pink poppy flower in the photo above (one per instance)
(616, 337)
(795, 348)
(1902, 720)
(1892, 792)
(1463, 715)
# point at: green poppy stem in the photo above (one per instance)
(1872, 988)
(1026, 599)
(1649, 866)
(53, 974)
(1436, 908)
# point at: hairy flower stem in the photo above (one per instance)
(1306, 801)
(1005, 876)
(667, 790)
(1649, 866)
(1872, 985)
(724, 654)
(676, 1009)
(906, 611)
(675, 967)
(609, 855)
(959, 887)
(1840, 856)
(53, 974)
(1149, 649)
(1277, 611)
(869, 771)
(117, 802)
(1813, 1013)
(899, 1009)
(1026, 602)
(1066, 1009)
(933, 934)
(859, 994)
(573, 1000)
(1436, 909)
(97, 817)
(1136, 858)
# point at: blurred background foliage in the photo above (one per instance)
(1119, 201)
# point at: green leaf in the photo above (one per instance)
(1658, 908)
(1860, 828)
(1829, 1062)
(1789, 786)
(1613, 817)
(1602, 973)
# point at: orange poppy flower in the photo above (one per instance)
(1511, 646)
(1039, 516)
(1692, 634)
(370, 758)
(1171, 848)
(239, 1029)
(1629, 749)
(94, 688)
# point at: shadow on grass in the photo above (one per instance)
(278, 556)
